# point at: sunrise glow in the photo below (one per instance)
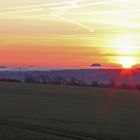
(126, 61)
(70, 33)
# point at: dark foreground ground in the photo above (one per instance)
(48, 112)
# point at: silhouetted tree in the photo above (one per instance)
(95, 84)
(30, 79)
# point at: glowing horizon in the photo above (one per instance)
(70, 33)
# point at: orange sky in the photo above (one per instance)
(69, 33)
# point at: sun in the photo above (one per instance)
(126, 65)
(127, 61)
(126, 50)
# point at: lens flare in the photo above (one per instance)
(127, 61)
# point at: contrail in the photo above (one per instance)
(70, 6)
(31, 8)
(74, 22)
(29, 17)
(22, 11)
(41, 7)
(106, 12)
(103, 3)
(57, 16)
(35, 6)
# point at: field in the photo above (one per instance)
(50, 112)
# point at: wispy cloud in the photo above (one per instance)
(66, 24)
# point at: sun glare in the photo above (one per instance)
(126, 50)
(127, 61)
(125, 45)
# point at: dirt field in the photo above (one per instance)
(49, 112)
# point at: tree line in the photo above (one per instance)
(60, 80)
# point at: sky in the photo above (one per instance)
(69, 33)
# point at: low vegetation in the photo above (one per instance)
(52, 112)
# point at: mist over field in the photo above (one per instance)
(64, 76)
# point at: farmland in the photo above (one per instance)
(51, 112)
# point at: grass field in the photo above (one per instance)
(49, 112)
